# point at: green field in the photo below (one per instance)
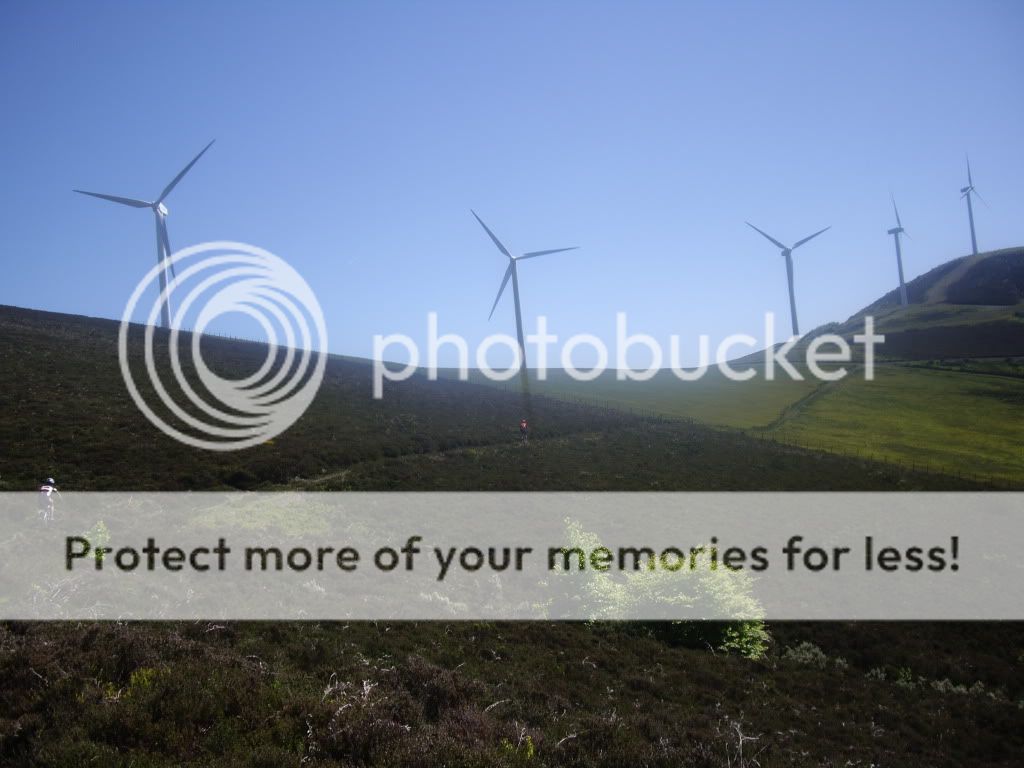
(948, 395)
(956, 422)
(893, 319)
(959, 417)
(713, 399)
(65, 414)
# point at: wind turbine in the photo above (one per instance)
(788, 255)
(513, 273)
(896, 232)
(966, 192)
(163, 243)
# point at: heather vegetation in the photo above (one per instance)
(477, 694)
(465, 693)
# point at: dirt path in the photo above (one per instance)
(937, 293)
(797, 407)
(492, 447)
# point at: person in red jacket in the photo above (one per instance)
(524, 431)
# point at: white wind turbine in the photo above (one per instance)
(163, 243)
(896, 232)
(513, 273)
(967, 192)
(787, 253)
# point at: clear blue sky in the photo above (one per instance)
(353, 138)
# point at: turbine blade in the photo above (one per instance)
(970, 182)
(186, 169)
(777, 243)
(811, 237)
(115, 199)
(980, 198)
(896, 211)
(531, 254)
(508, 274)
(497, 242)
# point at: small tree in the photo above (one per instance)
(698, 589)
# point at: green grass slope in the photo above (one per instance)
(951, 421)
(713, 399)
(466, 694)
(965, 316)
(989, 278)
(66, 413)
(972, 306)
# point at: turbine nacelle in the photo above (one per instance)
(787, 250)
(895, 231)
(161, 209)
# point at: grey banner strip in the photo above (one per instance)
(601, 556)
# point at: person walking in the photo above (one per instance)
(48, 494)
(524, 431)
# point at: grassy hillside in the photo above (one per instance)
(466, 694)
(712, 399)
(990, 278)
(965, 316)
(968, 307)
(952, 415)
(66, 413)
(952, 421)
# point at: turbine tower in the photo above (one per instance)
(513, 273)
(163, 243)
(787, 253)
(966, 192)
(896, 232)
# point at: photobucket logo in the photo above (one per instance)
(209, 281)
(823, 355)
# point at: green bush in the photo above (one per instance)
(700, 591)
(811, 655)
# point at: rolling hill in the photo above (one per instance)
(990, 278)
(949, 393)
(66, 413)
(472, 693)
(971, 307)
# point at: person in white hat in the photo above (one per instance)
(47, 497)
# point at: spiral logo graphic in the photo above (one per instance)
(207, 410)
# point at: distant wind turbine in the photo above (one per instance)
(896, 232)
(966, 192)
(163, 243)
(513, 273)
(788, 255)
